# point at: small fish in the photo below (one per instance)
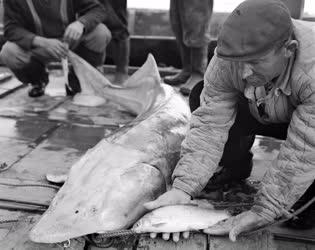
(179, 218)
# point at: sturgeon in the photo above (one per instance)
(179, 218)
(106, 189)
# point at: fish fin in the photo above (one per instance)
(149, 68)
(203, 203)
(159, 224)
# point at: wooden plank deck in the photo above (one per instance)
(47, 135)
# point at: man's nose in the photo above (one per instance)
(247, 71)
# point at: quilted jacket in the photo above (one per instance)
(291, 100)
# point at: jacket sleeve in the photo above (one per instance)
(294, 169)
(91, 13)
(14, 30)
(203, 146)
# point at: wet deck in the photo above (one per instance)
(47, 135)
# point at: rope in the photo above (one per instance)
(108, 239)
(31, 185)
(116, 233)
(282, 220)
(8, 221)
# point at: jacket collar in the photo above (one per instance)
(283, 81)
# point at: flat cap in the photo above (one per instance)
(253, 28)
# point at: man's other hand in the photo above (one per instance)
(73, 33)
(244, 222)
(54, 47)
(175, 236)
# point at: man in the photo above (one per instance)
(117, 22)
(40, 31)
(261, 80)
(190, 22)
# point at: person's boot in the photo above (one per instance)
(121, 59)
(199, 61)
(38, 77)
(73, 86)
(33, 73)
(306, 219)
(182, 76)
(37, 90)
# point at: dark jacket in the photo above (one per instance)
(20, 27)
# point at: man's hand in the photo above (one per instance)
(73, 33)
(172, 197)
(55, 48)
(244, 222)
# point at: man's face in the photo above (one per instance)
(260, 71)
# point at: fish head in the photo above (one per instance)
(103, 192)
(143, 225)
(150, 222)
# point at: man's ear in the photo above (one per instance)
(290, 48)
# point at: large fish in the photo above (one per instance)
(106, 188)
(179, 218)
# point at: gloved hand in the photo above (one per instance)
(172, 197)
(244, 222)
(73, 33)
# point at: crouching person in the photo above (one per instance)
(261, 80)
(39, 32)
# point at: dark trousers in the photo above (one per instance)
(116, 18)
(241, 137)
(120, 8)
(190, 21)
(29, 65)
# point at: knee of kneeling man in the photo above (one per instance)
(13, 56)
(103, 36)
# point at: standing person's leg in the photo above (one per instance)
(196, 17)
(121, 44)
(184, 51)
(92, 48)
(121, 58)
(120, 8)
(27, 66)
